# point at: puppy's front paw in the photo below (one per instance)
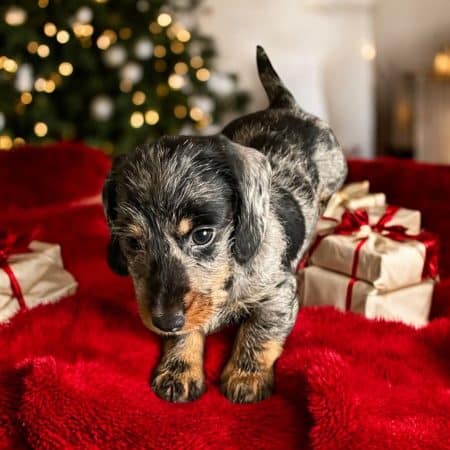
(178, 386)
(247, 387)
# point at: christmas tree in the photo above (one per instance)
(113, 74)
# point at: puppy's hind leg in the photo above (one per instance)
(248, 375)
(179, 376)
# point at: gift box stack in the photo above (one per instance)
(371, 258)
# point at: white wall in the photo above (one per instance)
(316, 50)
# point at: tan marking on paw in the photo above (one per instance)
(247, 387)
(269, 354)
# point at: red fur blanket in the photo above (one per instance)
(75, 374)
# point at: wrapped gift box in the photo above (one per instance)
(40, 276)
(410, 305)
(374, 248)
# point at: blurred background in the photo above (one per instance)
(116, 73)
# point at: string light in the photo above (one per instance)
(177, 47)
(49, 86)
(103, 42)
(82, 30)
(9, 65)
(26, 98)
(32, 46)
(196, 113)
(5, 142)
(40, 129)
(151, 117)
(164, 20)
(196, 62)
(18, 141)
(126, 85)
(181, 68)
(183, 35)
(159, 51)
(43, 51)
(180, 111)
(50, 29)
(202, 74)
(137, 119)
(65, 69)
(125, 33)
(39, 84)
(176, 81)
(138, 98)
(162, 90)
(154, 28)
(62, 36)
(43, 3)
(15, 16)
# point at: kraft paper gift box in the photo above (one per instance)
(33, 278)
(321, 287)
(352, 196)
(376, 247)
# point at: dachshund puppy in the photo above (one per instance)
(211, 230)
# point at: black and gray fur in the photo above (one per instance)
(211, 230)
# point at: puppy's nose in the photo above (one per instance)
(169, 322)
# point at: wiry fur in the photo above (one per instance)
(260, 186)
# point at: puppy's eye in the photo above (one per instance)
(202, 236)
(132, 243)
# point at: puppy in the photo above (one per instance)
(211, 230)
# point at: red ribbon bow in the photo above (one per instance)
(13, 243)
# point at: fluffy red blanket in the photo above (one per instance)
(75, 374)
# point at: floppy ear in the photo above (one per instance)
(252, 176)
(116, 258)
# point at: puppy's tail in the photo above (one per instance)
(279, 96)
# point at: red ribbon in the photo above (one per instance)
(13, 243)
(351, 223)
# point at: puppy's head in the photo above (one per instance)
(182, 212)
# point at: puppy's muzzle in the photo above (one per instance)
(169, 322)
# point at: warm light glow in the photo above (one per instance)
(65, 69)
(125, 33)
(196, 114)
(43, 3)
(40, 129)
(26, 98)
(183, 35)
(162, 90)
(154, 28)
(39, 84)
(180, 111)
(160, 65)
(126, 85)
(43, 51)
(103, 42)
(10, 65)
(204, 121)
(82, 30)
(202, 74)
(181, 68)
(177, 47)
(19, 141)
(138, 98)
(32, 46)
(49, 86)
(62, 36)
(164, 20)
(50, 29)
(15, 16)
(176, 81)
(196, 62)
(137, 119)
(159, 51)
(151, 117)
(111, 34)
(368, 51)
(442, 63)
(5, 142)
